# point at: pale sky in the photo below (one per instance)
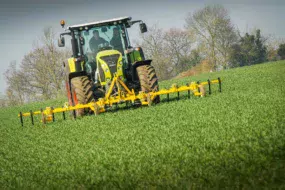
(22, 21)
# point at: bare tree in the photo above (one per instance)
(226, 37)
(213, 28)
(153, 45)
(272, 43)
(178, 46)
(16, 86)
(40, 76)
(43, 68)
(3, 100)
(170, 50)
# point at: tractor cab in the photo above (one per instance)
(103, 48)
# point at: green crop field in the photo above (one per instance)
(233, 140)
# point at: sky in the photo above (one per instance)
(22, 21)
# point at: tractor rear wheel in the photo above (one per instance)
(81, 92)
(148, 80)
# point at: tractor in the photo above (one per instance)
(105, 71)
(101, 51)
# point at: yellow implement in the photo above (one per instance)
(123, 95)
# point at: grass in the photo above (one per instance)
(233, 140)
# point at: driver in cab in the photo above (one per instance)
(95, 41)
(116, 41)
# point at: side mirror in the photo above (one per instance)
(143, 27)
(61, 41)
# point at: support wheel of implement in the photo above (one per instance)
(81, 92)
(148, 80)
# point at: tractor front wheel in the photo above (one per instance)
(148, 80)
(81, 92)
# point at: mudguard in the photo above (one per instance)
(136, 64)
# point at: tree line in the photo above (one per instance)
(209, 36)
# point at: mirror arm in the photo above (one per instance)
(65, 33)
(135, 21)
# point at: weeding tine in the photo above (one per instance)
(63, 114)
(198, 82)
(74, 114)
(209, 83)
(188, 91)
(32, 117)
(53, 119)
(21, 119)
(220, 84)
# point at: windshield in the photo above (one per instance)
(102, 38)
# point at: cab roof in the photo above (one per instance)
(100, 23)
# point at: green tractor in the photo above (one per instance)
(102, 50)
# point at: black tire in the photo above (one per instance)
(82, 92)
(148, 80)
